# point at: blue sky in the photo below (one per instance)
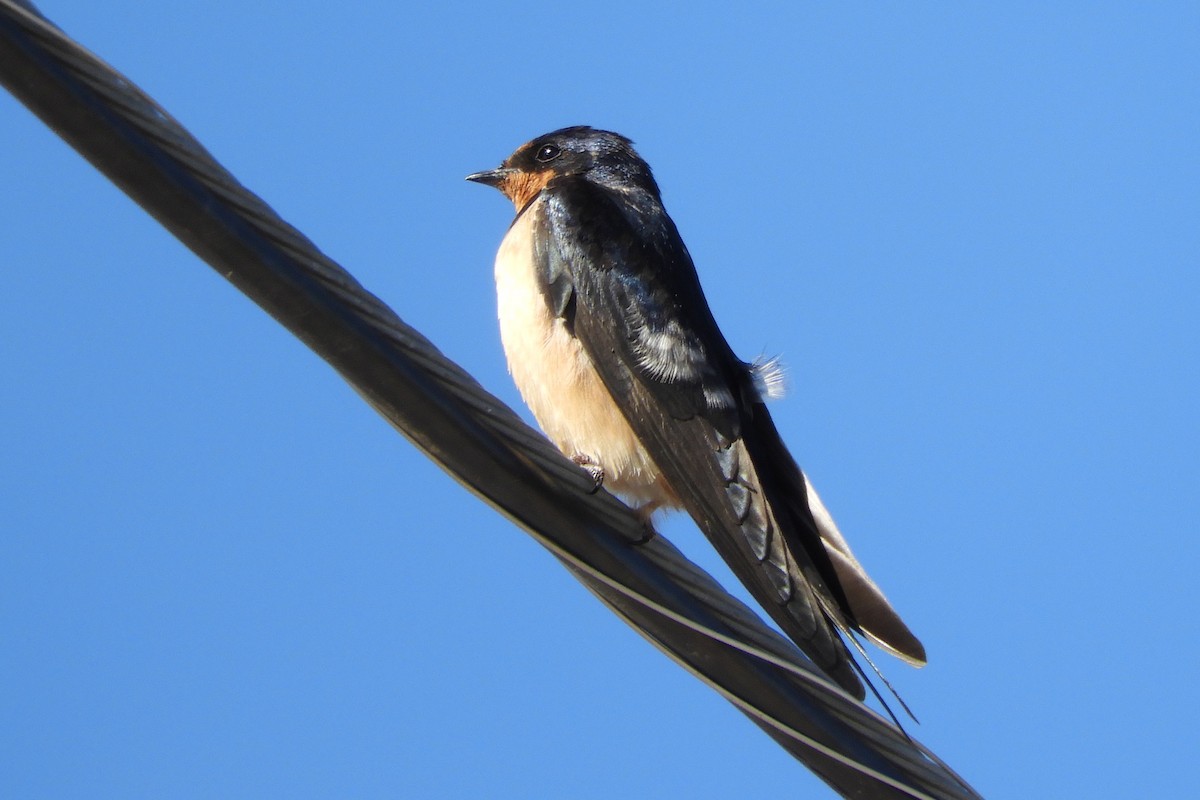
(971, 233)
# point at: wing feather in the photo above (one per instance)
(619, 275)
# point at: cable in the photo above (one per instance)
(445, 413)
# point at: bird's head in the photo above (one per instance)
(603, 157)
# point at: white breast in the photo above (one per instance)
(558, 382)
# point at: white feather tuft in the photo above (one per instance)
(769, 377)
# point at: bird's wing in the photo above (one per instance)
(804, 516)
(626, 287)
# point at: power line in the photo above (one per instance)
(450, 417)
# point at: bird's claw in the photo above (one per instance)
(648, 533)
(644, 513)
(594, 470)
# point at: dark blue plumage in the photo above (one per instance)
(613, 345)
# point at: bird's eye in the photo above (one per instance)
(548, 152)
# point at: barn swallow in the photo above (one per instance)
(612, 345)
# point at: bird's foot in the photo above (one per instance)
(594, 470)
(648, 532)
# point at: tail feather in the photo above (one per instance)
(859, 602)
(801, 607)
(869, 607)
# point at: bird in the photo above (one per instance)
(613, 346)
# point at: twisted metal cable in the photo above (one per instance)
(453, 420)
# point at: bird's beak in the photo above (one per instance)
(491, 177)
